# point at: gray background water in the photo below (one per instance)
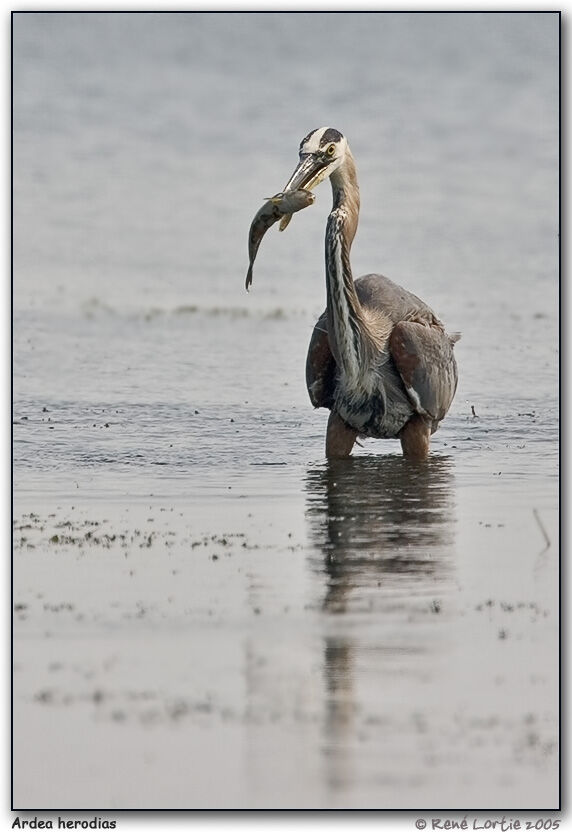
(143, 145)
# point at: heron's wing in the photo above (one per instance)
(423, 355)
(378, 293)
(320, 366)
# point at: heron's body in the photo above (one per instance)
(376, 402)
(379, 358)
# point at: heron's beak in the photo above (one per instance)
(308, 173)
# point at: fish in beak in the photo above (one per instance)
(309, 172)
(281, 205)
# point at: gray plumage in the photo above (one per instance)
(416, 333)
(379, 358)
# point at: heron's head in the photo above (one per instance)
(321, 153)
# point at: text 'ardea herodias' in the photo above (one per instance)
(379, 358)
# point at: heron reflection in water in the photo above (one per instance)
(372, 524)
(384, 539)
(379, 358)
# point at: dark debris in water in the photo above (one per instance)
(35, 532)
(507, 607)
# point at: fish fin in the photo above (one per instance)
(276, 198)
(284, 222)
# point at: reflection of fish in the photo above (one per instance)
(282, 205)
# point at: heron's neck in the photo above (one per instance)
(345, 192)
(346, 325)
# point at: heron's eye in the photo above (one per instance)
(331, 150)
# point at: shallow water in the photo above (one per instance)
(199, 597)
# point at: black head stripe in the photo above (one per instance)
(331, 135)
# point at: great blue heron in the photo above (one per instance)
(379, 358)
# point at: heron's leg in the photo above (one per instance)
(414, 438)
(339, 437)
